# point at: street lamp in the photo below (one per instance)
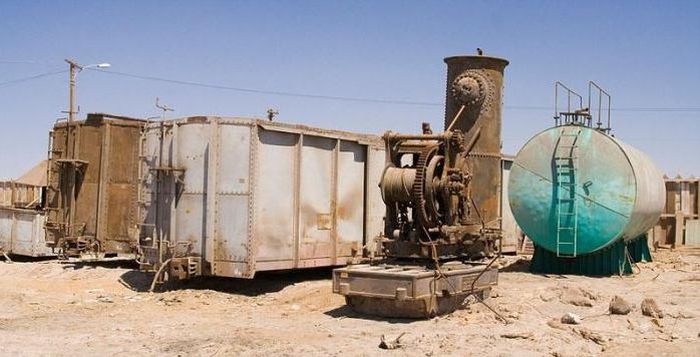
(74, 69)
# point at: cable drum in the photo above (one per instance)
(397, 184)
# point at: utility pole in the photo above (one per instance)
(74, 68)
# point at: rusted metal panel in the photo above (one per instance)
(92, 185)
(247, 195)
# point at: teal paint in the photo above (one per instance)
(619, 191)
(617, 258)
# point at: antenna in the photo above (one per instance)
(164, 108)
(271, 114)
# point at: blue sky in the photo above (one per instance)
(645, 53)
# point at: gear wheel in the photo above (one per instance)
(472, 88)
(419, 184)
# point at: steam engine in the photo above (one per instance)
(442, 204)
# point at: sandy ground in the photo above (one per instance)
(51, 308)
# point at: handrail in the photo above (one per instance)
(601, 92)
(569, 93)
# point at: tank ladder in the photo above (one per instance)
(565, 164)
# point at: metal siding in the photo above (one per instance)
(315, 195)
(692, 232)
(274, 195)
(352, 159)
(279, 200)
(105, 202)
(22, 232)
(6, 227)
(510, 229)
(192, 216)
(233, 191)
(375, 207)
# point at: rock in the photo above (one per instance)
(577, 297)
(685, 315)
(105, 299)
(391, 345)
(554, 323)
(619, 306)
(523, 335)
(651, 309)
(592, 336)
(571, 319)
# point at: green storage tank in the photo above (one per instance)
(575, 191)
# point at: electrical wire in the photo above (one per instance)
(22, 62)
(260, 91)
(25, 79)
(361, 99)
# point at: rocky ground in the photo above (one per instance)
(52, 308)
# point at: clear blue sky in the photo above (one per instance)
(647, 54)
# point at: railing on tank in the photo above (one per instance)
(572, 115)
(594, 87)
(579, 115)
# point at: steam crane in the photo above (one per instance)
(441, 193)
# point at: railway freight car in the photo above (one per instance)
(234, 196)
(92, 186)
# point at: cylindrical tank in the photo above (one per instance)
(617, 191)
(473, 102)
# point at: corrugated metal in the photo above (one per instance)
(248, 195)
(692, 232)
(22, 232)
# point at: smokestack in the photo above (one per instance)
(476, 82)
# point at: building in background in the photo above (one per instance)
(679, 224)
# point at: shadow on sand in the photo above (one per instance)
(263, 283)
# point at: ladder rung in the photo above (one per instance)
(566, 228)
(565, 243)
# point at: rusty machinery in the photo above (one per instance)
(442, 205)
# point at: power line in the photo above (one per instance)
(366, 100)
(22, 62)
(25, 79)
(279, 93)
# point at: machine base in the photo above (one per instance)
(410, 291)
(615, 259)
